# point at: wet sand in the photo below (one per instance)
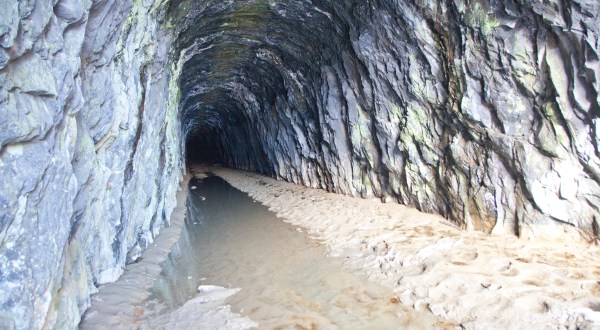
(120, 305)
(469, 279)
(285, 279)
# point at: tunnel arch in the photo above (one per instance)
(399, 100)
(485, 112)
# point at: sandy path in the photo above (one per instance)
(470, 279)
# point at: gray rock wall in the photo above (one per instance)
(89, 150)
(486, 112)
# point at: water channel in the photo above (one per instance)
(286, 279)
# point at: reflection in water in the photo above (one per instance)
(286, 280)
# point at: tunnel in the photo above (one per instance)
(369, 99)
(485, 113)
(253, 67)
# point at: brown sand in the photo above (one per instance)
(120, 305)
(470, 279)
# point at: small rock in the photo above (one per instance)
(491, 287)
(381, 248)
(194, 187)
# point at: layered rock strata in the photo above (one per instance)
(486, 112)
(89, 150)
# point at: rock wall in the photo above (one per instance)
(486, 112)
(89, 150)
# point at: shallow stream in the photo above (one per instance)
(286, 279)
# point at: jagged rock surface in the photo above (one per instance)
(486, 112)
(89, 150)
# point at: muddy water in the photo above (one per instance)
(285, 277)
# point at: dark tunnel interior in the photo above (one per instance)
(250, 60)
(408, 101)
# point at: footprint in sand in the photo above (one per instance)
(534, 283)
(447, 233)
(523, 260)
(463, 258)
(510, 272)
(592, 286)
(424, 231)
(576, 275)
(412, 270)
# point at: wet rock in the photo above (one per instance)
(89, 150)
(70, 10)
(484, 112)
